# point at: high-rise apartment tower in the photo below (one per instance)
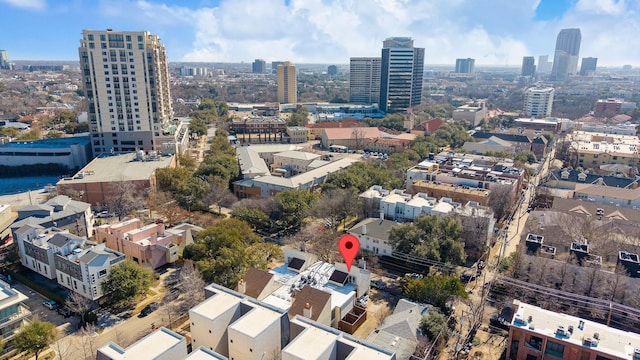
(287, 83)
(402, 69)
(528, 66)
(364, 80)
(465, 66)
(126, 83)
(565, 60)
(538, 101)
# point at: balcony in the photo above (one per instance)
(23, 312)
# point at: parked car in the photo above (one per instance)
(104, 215)
(377, 284)
(65, 311)
(174, 293)
(50, 304)
(149, 309)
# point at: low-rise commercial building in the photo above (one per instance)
(473, 112)
(77, 264)
(102, 177)
(612, 106)
(536, 333)
(70, 153)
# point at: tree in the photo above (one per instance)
(165, 205)
(126, 281)
(299, 118)
(87, 342)
(336, 205)
(258, 219)
(293, 207)
(78, 304)
(219, 196)
(435, 290)
(433, 323)
(35, 337)
(191, 284)
(123, 198)
(500, 200)
(431, 237)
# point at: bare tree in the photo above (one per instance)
(164, 204)
(61, 347)
(78, 304)
(191, 284)
(358, 137)
(120, 338)
(336, 205)
(219, 196)
(123, 198)
(87, 342)
(501, 200)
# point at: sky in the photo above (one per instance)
(494, 32)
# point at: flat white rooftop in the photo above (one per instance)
(618, 343)
(9, 296)
(203, 353)
(310, 344)
(255, 321)
(218, 304)
(149, 347)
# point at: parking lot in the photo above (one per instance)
(39, 311)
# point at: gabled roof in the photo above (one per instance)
(612, 181)
(256, 280)
(506, 137)
(376, 228)
(61, 239)
(318, 300)
(494, 140)
(585, 208)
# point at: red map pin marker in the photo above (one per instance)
(349, 246)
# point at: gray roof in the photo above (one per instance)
(69, 208)
(61, 239)
(301, 155)
(21, 230)
(399, 331)
(376, 228)
(251, 164)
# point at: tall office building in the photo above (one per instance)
(5, 63)
(332, 70)
(538, 101)
(465, 66)
(401, 71)
(528, 66)
(544, 65)
(364, 80)
(126, 82)
(588, 66)
(259, 66)
(274, 66)
(287, 83)
(565, 60)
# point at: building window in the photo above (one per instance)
(554, 349)
(531, 357)
(102, 273)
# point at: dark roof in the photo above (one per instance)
(318, 299)
(256, 280)
(61, 239)
(540, 140)
(586, 208)
(612, 181)
(295, 263)
(376, 228)
(506, 137)
(339, 277)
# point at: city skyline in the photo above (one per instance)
(494, 32)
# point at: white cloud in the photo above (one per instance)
(494, 32)
(27, 4)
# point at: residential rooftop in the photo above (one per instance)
(151, 346)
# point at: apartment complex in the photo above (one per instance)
(465, 66)
(13, 314)
(595, 149)
(287, 83)
(536, 334)
(126, 82)
(76, 263)
(147, 245)
(565, 60)
(538, 101)
(402, 70)
(364, 80)
(61, 212)
(612, 107)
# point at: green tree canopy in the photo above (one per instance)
(35, 337)
(126, 281)
(435, 290)
(226, 250)
(431, 237)
(432, 323)
(299, 118)
(293, 208)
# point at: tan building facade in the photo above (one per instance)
(287, 83)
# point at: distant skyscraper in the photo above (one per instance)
(259, 66)
(544, 65)
(126, 83)
(364, 80)
(402, 69)
(274, 66)
(528, 66)
(538, 101)
(287, 83)
(588, 66)
(5, 63)
(565, 60)
(465, 66)
(332, 70)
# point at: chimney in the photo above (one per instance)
(364, 229)
(242, 286)
(307, 311)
